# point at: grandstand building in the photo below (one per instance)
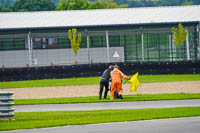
(108, 35)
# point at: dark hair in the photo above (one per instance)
(116, 66)
(111, 67)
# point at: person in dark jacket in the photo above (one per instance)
(104, 82)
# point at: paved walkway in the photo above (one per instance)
(109, 105)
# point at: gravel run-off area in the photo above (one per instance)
(93, 90)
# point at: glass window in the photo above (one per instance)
(152, 47)
(52, 43)
(8, 44)
(83, 42)
(191, 45)
(132, 47)
(97, 41)
(19, 44)
(122, 40)
(12, 44)
(37, 43)
(1, 45)
(44, 42)
(64, 43)
(164, 47)
(114, 40)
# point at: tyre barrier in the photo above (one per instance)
(6, 106)
(93, 70)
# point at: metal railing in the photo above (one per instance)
(6, 106)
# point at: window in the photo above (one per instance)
(1, 45)
(19, 44)
(132, 47)
(83, 42)
(37, 43)
(97, 41)
(64, 43)
(12, 44)
(42, 43)
(52, 43)
(114, 40)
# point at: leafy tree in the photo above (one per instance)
(33, 5)
(85, 4)
(105, 4)
(187, 3)
(55, 2)
(75, 43)
(7, 3)
(72, 5)
(179, 36)
(2, 9)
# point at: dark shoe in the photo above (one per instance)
(120, 96)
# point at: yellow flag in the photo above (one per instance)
(134, 82)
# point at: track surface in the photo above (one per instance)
(109, 105)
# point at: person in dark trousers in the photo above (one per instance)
(104, 82)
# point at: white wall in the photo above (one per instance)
(46, 57)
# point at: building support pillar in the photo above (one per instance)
(30, 49)
(187, 44)
(170, 48)
(88, 46)
(142, 37)
(107, 44)
(198, 46)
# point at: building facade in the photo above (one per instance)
(108, 35)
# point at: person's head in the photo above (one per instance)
(111, 67)
(116, 66)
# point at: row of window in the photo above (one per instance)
(53, 43)
(157, 46)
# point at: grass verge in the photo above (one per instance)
(95, 80)
(30, 120)
(94, 99)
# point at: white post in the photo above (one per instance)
(174, 54)
(142, 36)
(30, 49)
(199, 33)
(198, 45)
(107, 43)
(187, 45)
(170, 48)
(88, 46)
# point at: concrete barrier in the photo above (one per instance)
(6, 106)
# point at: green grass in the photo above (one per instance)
(95, 80)
(28, 120)
(94, 99)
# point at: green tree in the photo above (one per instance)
(85, 4)
(75, 42)
(179, 36)
(187, 3)
(2, 9)
(33, 5)
(7, 3)
(72, 5)
(55, 1)
(105, 4)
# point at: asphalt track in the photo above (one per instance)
(109, 105)
(175, 125)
